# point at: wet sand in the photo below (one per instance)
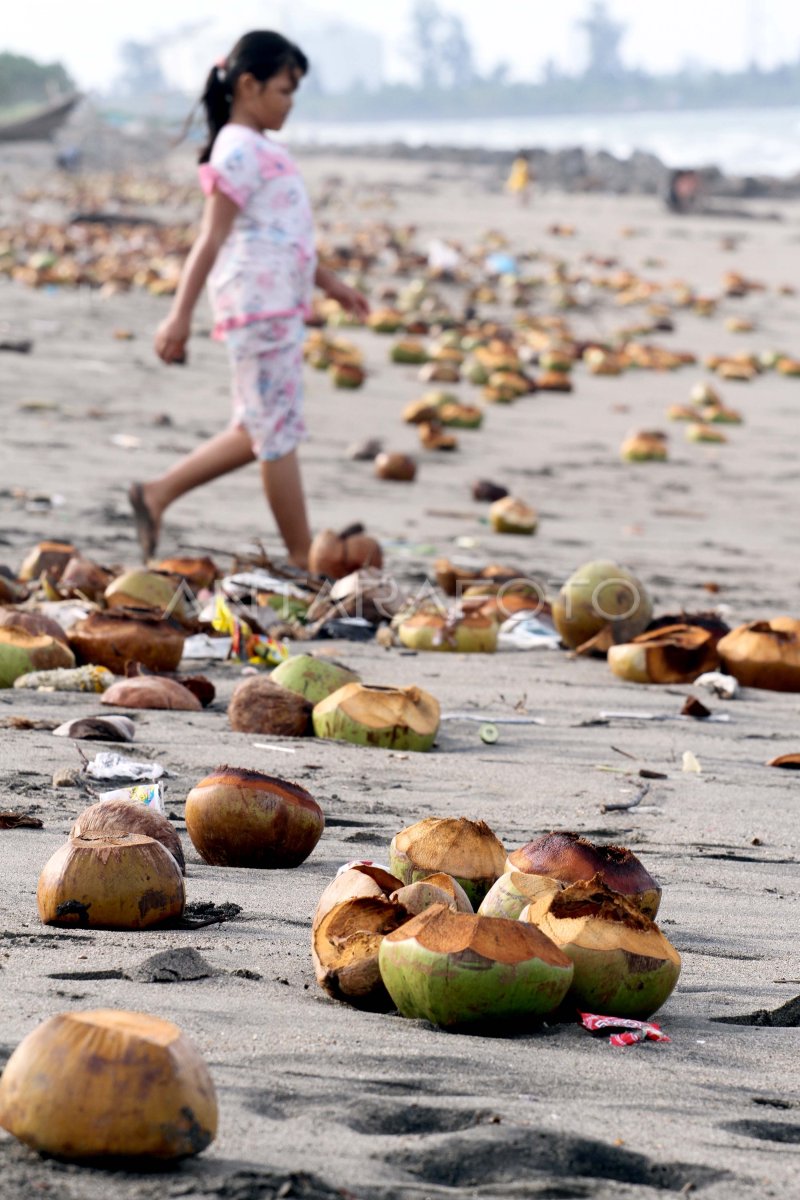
(373, 1105)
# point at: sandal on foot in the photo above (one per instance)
(146, 530)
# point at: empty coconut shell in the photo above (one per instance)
(114, 639)
(199, 573)
(110, 881)
(241, 818)
(129, 816)
(85, 577)
(260, 706)
(109, 1086)
(674, 654)
(764, 654)
(48, 558)
(33, 622)
(398, 467)
(345, 946)
(151, 691)
(570, 858)
(624, 966)
(339, 554)
(467, 850)
(458, 968)
(360, 879)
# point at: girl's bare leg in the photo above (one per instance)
(220, 454)
(283, 488)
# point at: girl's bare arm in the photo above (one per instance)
(350, 298)
(173, 333)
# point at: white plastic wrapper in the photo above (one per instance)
(110, 765)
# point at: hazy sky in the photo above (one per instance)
(725, 33)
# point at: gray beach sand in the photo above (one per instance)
(373, 1105)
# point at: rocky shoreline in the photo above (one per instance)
(574, 169)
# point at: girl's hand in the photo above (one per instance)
(171, 338)
(351, 299)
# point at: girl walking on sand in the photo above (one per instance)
(256, 250)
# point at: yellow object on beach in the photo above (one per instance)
(520, 175)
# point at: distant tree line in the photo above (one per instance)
(449, 84)
(24, 81)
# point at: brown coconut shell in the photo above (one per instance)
(83, 576)
(77, 1087)
(241, 818)
(467, 850)
(569, 858)
(446, 932)
(151, 691)
(764, 654)
(114, 639)
(260, 706)
(48, 558)
(400, 468)
(339, 554)
(33, 622)
(199, 573)
(128, 816)
(360, 880)
(345, 947)
(122, 881)
(673, 654)
(47, 653)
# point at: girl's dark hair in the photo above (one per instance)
(262, 54)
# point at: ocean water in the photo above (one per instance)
(739, 141)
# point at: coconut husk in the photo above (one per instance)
(389, 718)
(151, 691)
(48, 558)
(22, 652)
(199, 573)
(241, 818)
(467, 850)
(66, 1091)
(121, 881)
(358, 881)
(345, 947)
(764, 654)
(128, 816)
(673, 654)
(82, 577)
(33, 622)
(114, 639)
(260, 706)
(569, 858)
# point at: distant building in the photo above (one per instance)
(343, 57)
(605, 37)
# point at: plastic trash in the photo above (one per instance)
(109, 765)
(149, 794)
(67, 679)
(523, 631)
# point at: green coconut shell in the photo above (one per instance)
(597, 595)
(513, 892)
(467, 850)
(388, 718)
(624, 966)
(313, 678)
(467, 633)
(457, 969)
(22, 652)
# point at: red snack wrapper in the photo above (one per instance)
(640, 1030)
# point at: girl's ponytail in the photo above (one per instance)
(216, 99)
